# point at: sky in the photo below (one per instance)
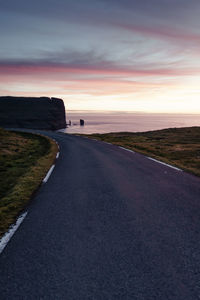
(119, 55)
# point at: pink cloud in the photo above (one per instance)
(162, 32)
(59, 71)
(97, 80)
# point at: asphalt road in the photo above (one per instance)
(108, 224)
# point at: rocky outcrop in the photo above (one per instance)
(82, 122)
(34, 113)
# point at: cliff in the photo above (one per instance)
(34, 113)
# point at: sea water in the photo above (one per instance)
(103, 122)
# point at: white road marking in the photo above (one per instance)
(162, 163)
(126, 149)
(7, 236)
(13, 228)
(48, 174)
(107, 143)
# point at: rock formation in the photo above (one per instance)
(82, 122)
(34, 113)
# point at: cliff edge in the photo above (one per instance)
(32, 112)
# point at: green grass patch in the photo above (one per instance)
(25, 159)
(176, 146)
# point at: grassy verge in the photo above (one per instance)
(176, 146)
(25, 158)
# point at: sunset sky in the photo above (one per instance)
(123, 55)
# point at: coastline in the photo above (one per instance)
(101, 122)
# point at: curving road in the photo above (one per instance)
(108, 224)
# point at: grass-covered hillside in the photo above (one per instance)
(24, 160)
(176, 146)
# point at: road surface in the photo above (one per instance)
(108, 224)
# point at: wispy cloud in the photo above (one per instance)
(163, 32)
(94, 67)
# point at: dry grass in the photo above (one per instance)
(24, 160)
(176, 146)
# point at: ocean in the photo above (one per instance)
(104, 122)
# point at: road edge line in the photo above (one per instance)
(165, 164)
(48, 174)
(12, 229)
(127, 149)
(4, 240)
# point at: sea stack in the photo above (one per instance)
(32, 112)
(82, 122)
